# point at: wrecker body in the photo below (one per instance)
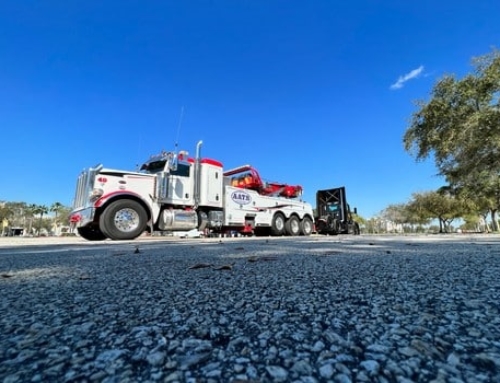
(333, 213)
(173, 192)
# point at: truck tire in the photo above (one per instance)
(306, 226)
(278, 224)
(91, 233)
(123, 219)
(292, 226)
(356, 229)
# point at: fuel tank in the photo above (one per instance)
(178, 220)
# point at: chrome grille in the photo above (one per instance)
(162, 185)
(84, 185)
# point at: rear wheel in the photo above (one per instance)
(123, 219)
(306, 226)
(278, 224)
(292, 226)
(91, 233)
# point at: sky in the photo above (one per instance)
(314, 93)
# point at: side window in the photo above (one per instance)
(182, 170)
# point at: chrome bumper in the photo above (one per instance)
(81, 218)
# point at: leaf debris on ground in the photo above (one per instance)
(262, 258)
(200, 266)
(6, 275)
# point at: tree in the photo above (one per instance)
(477, 204)
(30, 212)
(360, 220)
(56, 208)
(64, 214)
(396, 214)
(6, 213)
(460, 128)
(41, 210)
(438, 205)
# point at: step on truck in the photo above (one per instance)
(172, 192)
(333, 213)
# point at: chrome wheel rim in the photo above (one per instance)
(126, 220)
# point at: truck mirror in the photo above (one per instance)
(173, 161)
(355, 211)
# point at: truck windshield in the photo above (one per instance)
(183, 169)
(333, 207)
(153, 167)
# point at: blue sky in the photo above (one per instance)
(317, 93)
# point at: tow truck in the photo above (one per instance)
(173, 192)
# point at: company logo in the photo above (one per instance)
(241, 197)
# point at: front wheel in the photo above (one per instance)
(306, 226)
(91, 233)
(123, 219)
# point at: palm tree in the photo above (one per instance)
(31, 210)
(56, 209)
(41, 210)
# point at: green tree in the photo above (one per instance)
(30, 212)
(18, 218)
(477, 205)
(40, 210)
(6, 213)
(56, 208)
(437, 205)
(396, 214)
(64, 215)
(460, 128)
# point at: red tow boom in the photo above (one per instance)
(247, 177)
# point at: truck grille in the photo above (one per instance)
(84, 185)
(162, 185)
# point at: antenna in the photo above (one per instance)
(179, 128)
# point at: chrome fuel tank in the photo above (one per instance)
(178, 220)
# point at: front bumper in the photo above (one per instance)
(82, 217)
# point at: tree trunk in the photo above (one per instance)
(484, 217)
(56, 224)
(494, 222)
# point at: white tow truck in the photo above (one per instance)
(173, 192)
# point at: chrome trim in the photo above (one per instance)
(86, 216)
(84, 186)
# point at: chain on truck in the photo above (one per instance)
(174, 192)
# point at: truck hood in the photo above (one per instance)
(121, 173)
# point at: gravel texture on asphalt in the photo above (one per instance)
(316, 309)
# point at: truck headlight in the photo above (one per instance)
(96, 194)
